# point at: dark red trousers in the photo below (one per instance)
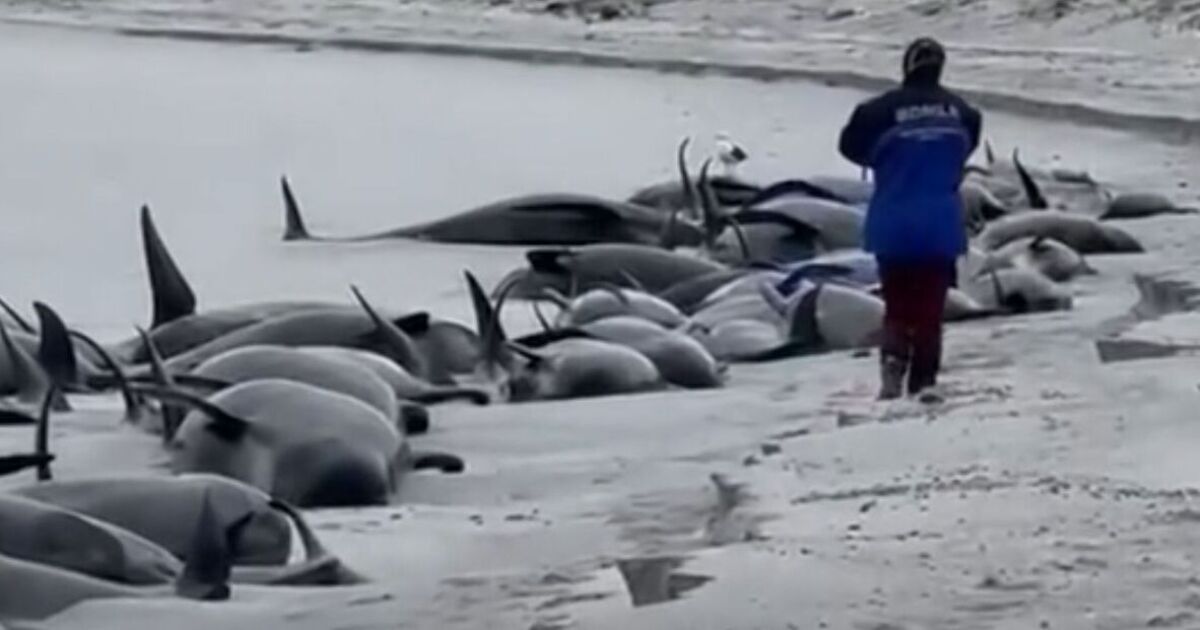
(914, 294)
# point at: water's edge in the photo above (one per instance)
(1166, 128)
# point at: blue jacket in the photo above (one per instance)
(916, 139)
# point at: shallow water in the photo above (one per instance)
(96, 125)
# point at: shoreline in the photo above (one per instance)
(1168, 128)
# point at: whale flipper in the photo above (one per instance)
(10, 464)
(444, 462)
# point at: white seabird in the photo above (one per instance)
(729, 153)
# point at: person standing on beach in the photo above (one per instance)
(916, 140)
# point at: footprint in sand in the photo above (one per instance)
(654, 580)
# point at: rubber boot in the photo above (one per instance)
(891, 376)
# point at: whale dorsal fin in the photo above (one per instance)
(710, 214)
(31, 379)
(804, 328)
(133, 407)
(541, 317)
(294, 227)
(206, 574)
(1033, 192)
(487, 320)
(158, 367)
(41, 437)
(685, 180)
(56, 352)
(222, 424)
(404, 352)
(171, 295)
(172, 415)
(313, 549)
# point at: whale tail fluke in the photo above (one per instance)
(294, 229)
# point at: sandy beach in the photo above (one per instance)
(1049, 491)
